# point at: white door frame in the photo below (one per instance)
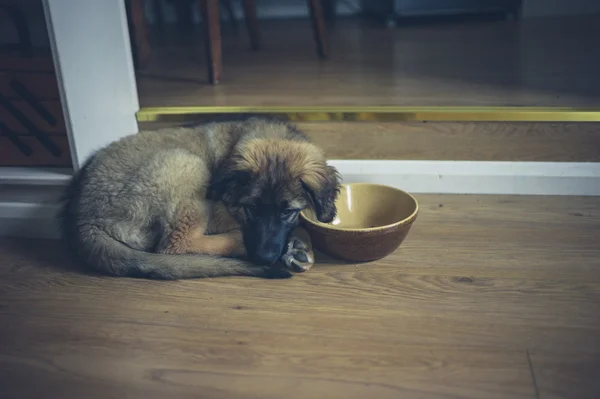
(94, 66)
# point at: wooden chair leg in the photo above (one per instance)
(212, 38)
(318, 21)
(252, 23)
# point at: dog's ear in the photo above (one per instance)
(225, 181)
(323, 186)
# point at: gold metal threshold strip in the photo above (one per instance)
(378, 114)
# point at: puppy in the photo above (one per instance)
(216, 199)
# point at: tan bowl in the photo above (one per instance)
(372, 221)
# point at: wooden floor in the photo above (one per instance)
(538, 62)
(489, 297)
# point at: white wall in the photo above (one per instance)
(546, 8)
(531, 8)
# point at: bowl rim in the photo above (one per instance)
(329, 227)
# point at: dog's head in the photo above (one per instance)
(265, 184)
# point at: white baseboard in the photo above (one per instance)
(35, 176)
(477, 177)
(31, 218)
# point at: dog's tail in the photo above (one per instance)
(108, 255)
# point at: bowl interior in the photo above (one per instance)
(366, 206)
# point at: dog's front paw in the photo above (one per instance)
(298, 257)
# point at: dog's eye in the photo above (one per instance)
(288, 213)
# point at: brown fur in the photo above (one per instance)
(211, 200)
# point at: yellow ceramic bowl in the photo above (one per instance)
(372, 221)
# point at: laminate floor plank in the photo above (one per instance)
(489, 297)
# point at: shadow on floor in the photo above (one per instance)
(37, 253)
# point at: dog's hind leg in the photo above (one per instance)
(186, 233)
(193, 240)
